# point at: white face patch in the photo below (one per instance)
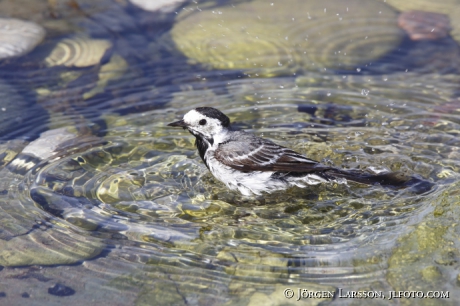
(206, 126)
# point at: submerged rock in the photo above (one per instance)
(47, 248)
(61, 17)
(450, 8)
(157, 5)
(61, 290)
(18, 37)
(293, 34)
(78, 52)
(421, 25)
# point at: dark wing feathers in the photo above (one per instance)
(263, 155)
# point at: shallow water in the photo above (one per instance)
(98, 195)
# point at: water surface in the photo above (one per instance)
(124, 212)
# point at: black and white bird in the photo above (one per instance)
(254, 165)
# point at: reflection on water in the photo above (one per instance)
(101, 201)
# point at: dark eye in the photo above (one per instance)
(202, 122)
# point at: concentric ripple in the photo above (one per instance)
(154, 193)
(121, 209)
(298, 34)
(78, 52)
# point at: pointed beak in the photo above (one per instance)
(180, 123)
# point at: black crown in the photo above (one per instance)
(214, 113)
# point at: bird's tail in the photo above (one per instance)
(394, 180)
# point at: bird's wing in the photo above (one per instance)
(257, 154)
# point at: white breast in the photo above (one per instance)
(248, 184)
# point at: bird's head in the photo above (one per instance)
(204, 122)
